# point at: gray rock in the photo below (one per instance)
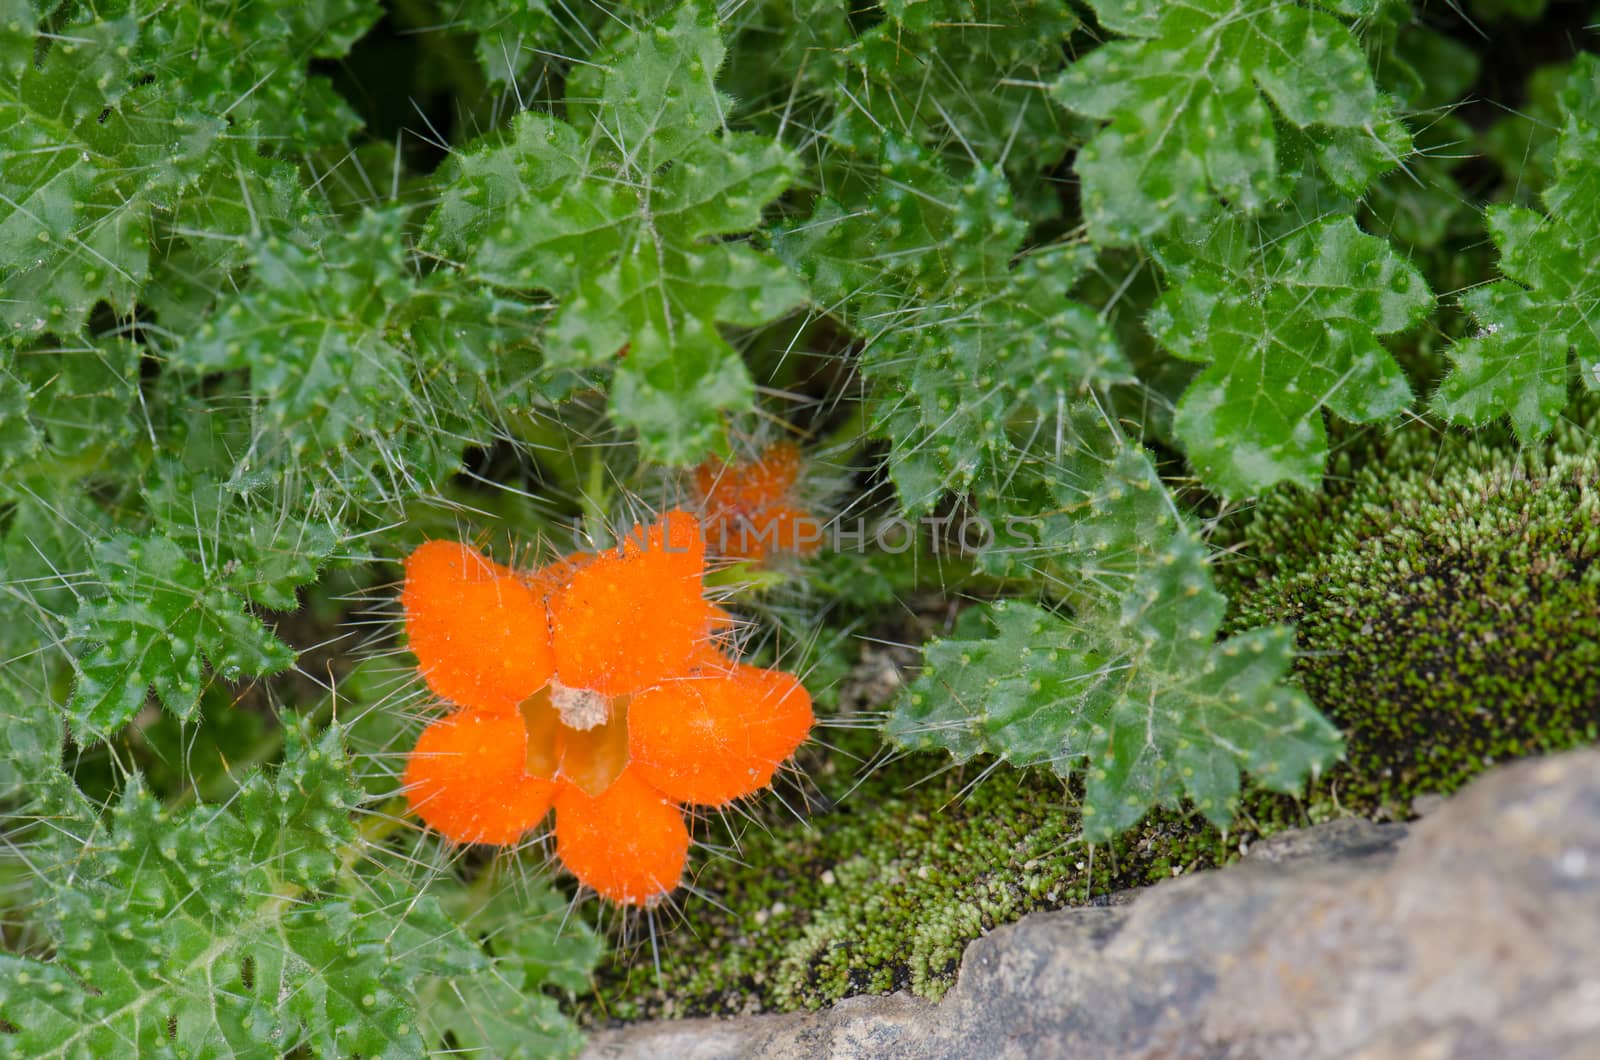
(1474, 932)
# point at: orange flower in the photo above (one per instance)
(750, 508)
(595, 686)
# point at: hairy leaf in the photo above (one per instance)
(533, 943)
(1192, 102)
(20, 438)
(510, 35)
(195, 933)
(312, 328)
(963, 78)
(1288, 325)
(164, 616)
(623, 214)
(967, 349)
(113, 153)
(362, 375)
(1544, 309)
(46, 812)
(80, 396)
(1132, 689)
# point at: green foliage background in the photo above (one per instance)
(288, 288)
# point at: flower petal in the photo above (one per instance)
(630, 620)
(629, 844)
(674, 541)
(794, 529)
(750, 510)
(482, 640)
(718, 736)
(553, 577)
(765, 531)
(751, 484)
(466, 779)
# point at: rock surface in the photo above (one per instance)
(1474, 932)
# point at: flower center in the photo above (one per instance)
(580, 708)
(577, 734)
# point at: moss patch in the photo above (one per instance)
(1447, 604)
(885, 890)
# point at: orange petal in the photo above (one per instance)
(792, 529)
(712, 650)
(630, 844)
(465, 778)
(481, 638)
(626, 622)
(750, 513)
(708, 479)
(749, 485)
(774, 472)
(759, 533)
(674, 540)
(552, 578)
(713, 738)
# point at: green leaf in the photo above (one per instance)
(913, 234)
(1187, 102)
(533, 943)
(1531, 321)
(69, 235)
(510, 35)
(296, 825)
(80, 395)
(1132, 689)
(45, 542)
(539, 155)
(361, 373)
(46, 813)
(164, 616)
(968, 349)
(188, 934)
(487, 1016)
(623, 215)
(1288, 325)
(266, 541)
(960, 394)
(312, 329)
(960, 78)
(20, 438)
(115, 151)
(653, 98)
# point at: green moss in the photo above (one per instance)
(884, 890)
(1447, 603)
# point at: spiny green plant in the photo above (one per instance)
(617, 211)
(1287, 322)
(1536, 318)
(1132, 689)
(963, 341)
(1079, 277)
(958, 78)
(1156, 164)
